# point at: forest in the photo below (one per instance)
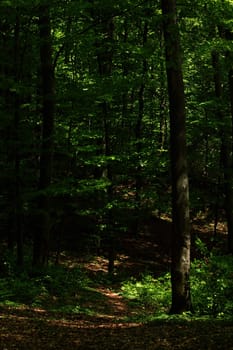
(116, 189)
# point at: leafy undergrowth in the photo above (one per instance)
(211, 285)
(78, 306)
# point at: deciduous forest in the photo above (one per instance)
(116, 188)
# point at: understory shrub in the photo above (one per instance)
(152, 293)
(211, 281)
(53, 285)
(212, 285)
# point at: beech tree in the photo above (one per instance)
(181, 238)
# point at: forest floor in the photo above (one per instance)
(111, 325)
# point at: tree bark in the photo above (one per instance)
(104, 57)
(41, 237)
(230, 81)
(138, 135)
(181, 238)
(17, 165)
(226, 147)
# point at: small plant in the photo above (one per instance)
(53, 287)
(211, 281)
(151, 293)
(202, 248)
(212, 284)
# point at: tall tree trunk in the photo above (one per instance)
(181, 238)
(42, 229)
(138, 134)
(230, 80)
(104, 57)
(225, 150)
(162, 100)
(125, 73)
(16, 97)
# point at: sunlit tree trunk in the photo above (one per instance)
(181, 238)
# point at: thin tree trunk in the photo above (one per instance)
(104, 57)
(125, 73)
(181, 238)
(230, 80)
(225, 150)
(42, 231)
(18, 200)
(138, 134)
(162, 101)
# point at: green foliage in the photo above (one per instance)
(63, 282)
(56, 287)
(201, 247)
(89, 143)
(153, 293)
(69, 290)
(212, 284)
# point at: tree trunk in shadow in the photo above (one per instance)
(181, 237)
(42, 232)
(225, 154)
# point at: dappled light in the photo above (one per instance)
(126, 310)
(30, 330)
(116, 181)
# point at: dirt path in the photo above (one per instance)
(34, 329)
(37, 329)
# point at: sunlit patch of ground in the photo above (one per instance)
(26, 328)
(31, 330)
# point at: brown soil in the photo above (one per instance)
(34, 329)
(29, 329)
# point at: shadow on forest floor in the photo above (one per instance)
(105, 327)
(150, 251)
(36, 329)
